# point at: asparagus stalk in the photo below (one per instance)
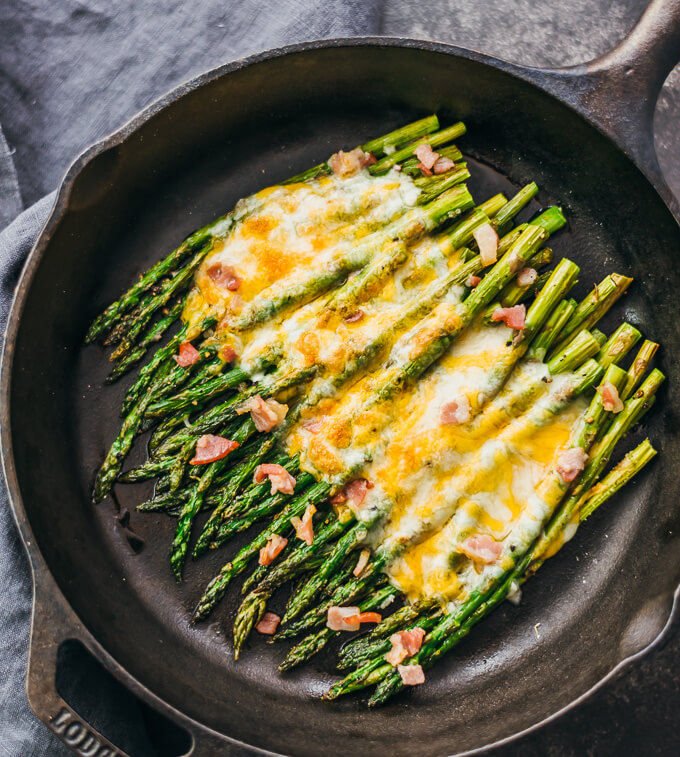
(616, 479)
(639, 367)
(516, 204)
(594, 306)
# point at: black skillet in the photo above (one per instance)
(585, 135)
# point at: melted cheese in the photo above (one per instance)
(434, 484)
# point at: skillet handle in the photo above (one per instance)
(618, 91)
(52, 623)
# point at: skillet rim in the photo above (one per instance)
(40, 571)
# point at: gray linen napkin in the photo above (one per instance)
(90, 65)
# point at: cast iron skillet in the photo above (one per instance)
(585, 134)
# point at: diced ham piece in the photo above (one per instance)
(570, 462)
(228, 353)
(411, 675)
(187, 355)
(513, 318)
(269, 623)
(279, 478)
(210, 448)
(487, 241)
(404, 644)
(481, 548)
(266, 414)
(313, 425)
(426, 155)
(611, 401)
(362, 562)
(472, 281)
(354, 317)
(425, 170)
(455, 412)
(335, 619)
(224, 276)
(356, 491)
(527, 276)
(272, 549)
(442, 165)
(304, 527)
(340, 498)
(346, 164)
(363, 617)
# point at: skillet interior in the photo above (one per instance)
(604, 597)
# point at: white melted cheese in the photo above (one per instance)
(434, 484)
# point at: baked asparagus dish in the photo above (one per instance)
(390, 386)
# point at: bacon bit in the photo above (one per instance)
(443, 165)
(526, 277)
(279, 478)
(356, 491)
(472, 281)
(363, 617)
(455, 412)
(426, 155)
(339, 499)
(313, 425)
(570, 463)
(272, 549)
(266, 414)
(228, 353)
(404, 644)
(346, 164)
(224, 276)
(611, 401)
(362, 562)
(425, 170)
(513, 318)
(481, 548)
(411, 675)
(210, 448)
(269, 623)
(487, 240)
(357, 315)
(335, 619)
(187, 355)
(304, 528)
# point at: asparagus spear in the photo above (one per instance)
(617, 478)
(594, 306)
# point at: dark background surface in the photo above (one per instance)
(637, 712)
